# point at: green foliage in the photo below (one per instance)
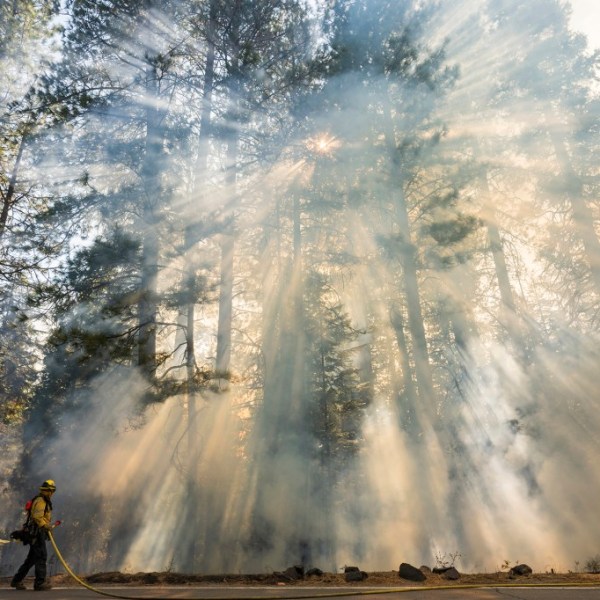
(402, 54)
(18, 371)
(592, 564)
(452, 231)
(23, 20)
(95, 298)
(106, 271)
(338, 396)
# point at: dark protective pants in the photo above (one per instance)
(36, 557)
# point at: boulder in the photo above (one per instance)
(355, 575)
(411, 573)
(451, 574)
(314, 572)
(440, 570)
(295, 572)
(290, 574)
(520, 570)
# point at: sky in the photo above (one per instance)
(586, 18)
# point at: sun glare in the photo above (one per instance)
(323, 143)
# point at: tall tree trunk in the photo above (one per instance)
(413, 300)
(295, 339)
(508, 316)
(423, 435)
(582, 215)
(408, 258)
(225, 307)
(148, 302)
(495, 245)
(272, 280)
(415, 316)
(223, 360)
(296, 333)
(407, 397)
(10, 192)
(194, 231)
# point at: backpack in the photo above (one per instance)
(30, 530)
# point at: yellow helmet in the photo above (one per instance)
(48, 486)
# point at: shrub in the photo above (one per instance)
(592, 564)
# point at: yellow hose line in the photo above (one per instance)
(353, 592)
(70, 572)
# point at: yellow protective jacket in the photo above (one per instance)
(41, 512)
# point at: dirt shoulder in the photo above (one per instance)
(374, 579)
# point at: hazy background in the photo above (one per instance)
(302, 284)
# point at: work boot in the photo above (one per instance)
(18, 585)
(42, 587)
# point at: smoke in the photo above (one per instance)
(510, 480)
(510, 471)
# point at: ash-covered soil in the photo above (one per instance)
(374, 579)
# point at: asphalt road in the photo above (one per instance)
(272, 593)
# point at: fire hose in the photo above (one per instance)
(352, 592)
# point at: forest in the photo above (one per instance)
(300, 282)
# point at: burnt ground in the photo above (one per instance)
(375, 579)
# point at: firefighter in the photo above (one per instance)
(38, 523)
